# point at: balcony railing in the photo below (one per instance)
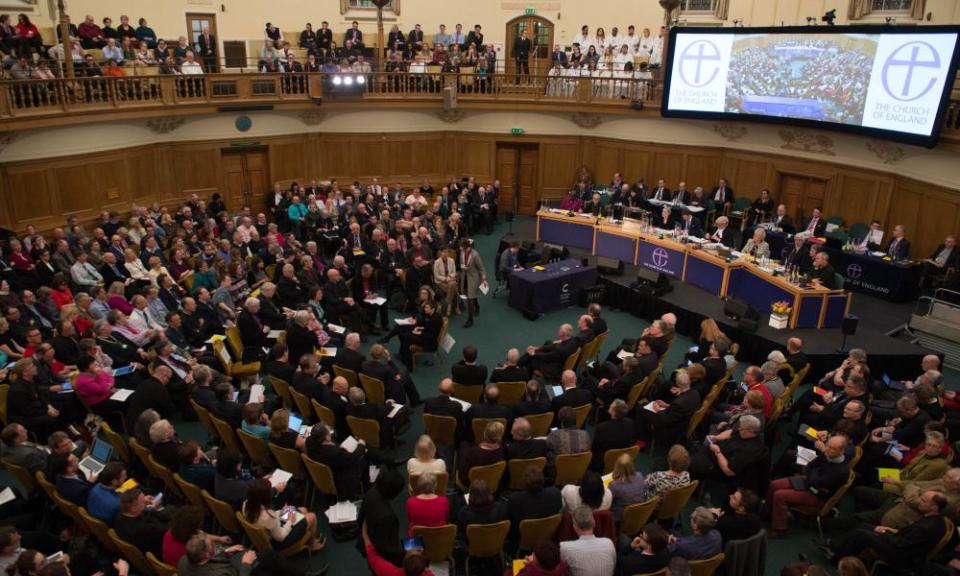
(27, 99)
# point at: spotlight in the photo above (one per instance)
(361, 80)
(348, 80)
(829, 17)
(337, 81)
(345, 86)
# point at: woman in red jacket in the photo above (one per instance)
(28, 34)
(544, 561)
(94, 386)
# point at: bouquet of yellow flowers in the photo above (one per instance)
(781, 308)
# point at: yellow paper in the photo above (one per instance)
(130, 484)
(539, 268)
(888, 472)
(813, 434)
(518, 565)
(608, 479)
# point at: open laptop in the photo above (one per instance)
(296, 424)
(98, 458)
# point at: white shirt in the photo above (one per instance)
(191, 68)
(615, 42)
(589, 556)
(657, 51)
(584, 41)
(646, 44)
(633, 42)
(620, 60)
(85, 274)
(571, 498)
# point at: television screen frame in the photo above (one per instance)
(891, 135)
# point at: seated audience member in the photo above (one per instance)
(138, 522)
(70, 481)
(627, 485)
(550, 357)
(509, 371)
(648, 552)
(284, 530)
(536, 500)
(588, 555)
(232, 480)
(591, 493)
(704, 542)
(426, 508)
(482, 508)
(186, 522)
(467, 371)
(675, 476)
(425, 459)
(727, 458)
(488, 450)
(566, 438)
(349, 468)
(103, 502)
(738, 518)
(195, 467)
(616, 433)
(488, 408)
(544, 560)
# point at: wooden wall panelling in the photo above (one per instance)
(196, 169)
(334, 158)
(288, 162)
(30, 196)
(636, 164)
(77, 189)
(702, 170)
(667, 164)
(475, 156)
(7, 219)
(856, 197)
(607, 159)
(141, 175)
(746, 175)
(559, 161)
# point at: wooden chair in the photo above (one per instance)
(261, 539)
(571, 362)
(352, 379)
(159, 567)
(707, 566)
(571, 467)
(696, 419)
(133, 554)
(282, 388)
(438, 542)
(4, 393)
(302, 403)
(931, 555)
(374, 388)
(486, 540)
(661, 572)
(23, 476)
(827, 508)
(441, 429)
(536, 531)
(366, 429)
(675, 500)
(636, 516)
(120, 447)
(98, 528)
(511, 392)
(70, 509)
(48, 487)
(610, 456)
(222, 512)
(518, 469)
(226, 434)
(582, 413)
(540, 423)
(491, 474)
(140, 450)
(256, 448)
(289, 460)
(443, 479)
(160, 471)
(322, 477)
(417, 351)
(204, 415)
(478, 425)
(324, 414)
(466, 393)
(192, 491)
(231, 368)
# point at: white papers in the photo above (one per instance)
(373, 472)
(328, 351)
(463, 403)
(878, 254)
(279, 477)
(256, 394)
(336, 328)
(484, 288)
(393, 412)
(652, 406)
(466, 498)
(805, 455)
(405, 321)
(736, 253)
(378, 301)
(274, 334)
(7, 495)
(342, 512)
(121, 395)
(447, 343)
(225, 356)
(350, 444)
(624, 354)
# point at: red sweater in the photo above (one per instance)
(428, 513)
(381, 567)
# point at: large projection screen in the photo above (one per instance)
(882, 81)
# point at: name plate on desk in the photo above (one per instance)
(660, 258)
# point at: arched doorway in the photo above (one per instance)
(540, 32)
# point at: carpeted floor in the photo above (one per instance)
(497, 329)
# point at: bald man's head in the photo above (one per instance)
(446, 387)
(568, 379)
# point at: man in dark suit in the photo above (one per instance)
(208, 50)
(798, 255)
(690, 225)
(289, 290)
(941, 260)
(253, 332)
(549, 357)
(324, 38)
(334, 397)
(796, 358)
(585, 332)
(722, 195)
(152, 393)
(467, 371)
(599, 324)
(487, 408)
(354, 35)
(782, 221)
(521, 53)
(509, 371)
(415, 39)
(816, 225)
(723, 233)
(661, 192)
(443, 404)
(112, 271)
(475, 37)
(610, 389)
(681, 195)
(524, 445)
(358, 407)
(398, 386)
(572, 395)
(673, 416)
(349, 356)
(899, 247)
(616, 433)
(558, 57)
(308, 380)
(278, 363)
(822, 272)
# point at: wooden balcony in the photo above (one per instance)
(33, 103)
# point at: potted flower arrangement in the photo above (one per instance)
(780, 314)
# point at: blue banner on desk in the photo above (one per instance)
(575, 232)
(665, 260)
(555, 287)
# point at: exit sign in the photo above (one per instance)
(529, 11)
(516, 131)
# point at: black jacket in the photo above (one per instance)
(347, 467)
(475, 375)
(349, 359)
(252, 335)
(613, 434)
(510, 374)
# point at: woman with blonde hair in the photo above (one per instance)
(710, 332)
(628, 485)
(675, 476)
(424, 460)
(116, 299)
(282, 435)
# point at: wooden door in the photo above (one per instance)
(195, 25)
(517, 172)
(540, 32)
(245, 176)
(801, 194)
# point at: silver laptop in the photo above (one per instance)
(100, 454)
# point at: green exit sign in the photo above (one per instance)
(516, 131)
(529, 11)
